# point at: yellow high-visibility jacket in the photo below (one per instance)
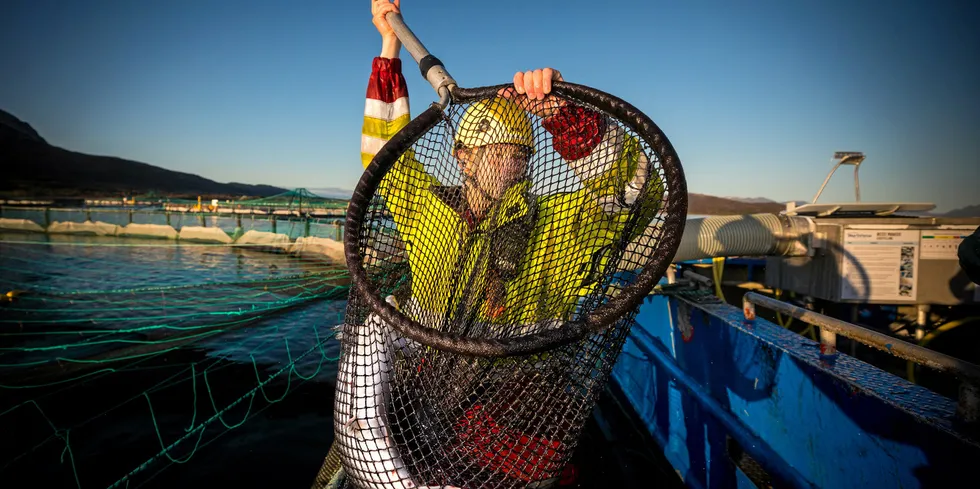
(572, 231)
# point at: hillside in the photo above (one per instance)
(968, 211)
(752, 200)
(34, 168)
(8, 122)
(700, 204)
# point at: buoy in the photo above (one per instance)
(11, 295)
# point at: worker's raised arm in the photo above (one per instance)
(386, 110)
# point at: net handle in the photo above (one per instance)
(431, 67)
(570, 331)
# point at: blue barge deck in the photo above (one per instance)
(738, 403)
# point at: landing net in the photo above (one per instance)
(526, 236)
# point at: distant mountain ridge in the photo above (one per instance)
(752, 200)
(9, 122)
(764, 200)
(968, 211)
(708, 205)
(34, 168)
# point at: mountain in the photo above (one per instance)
(8, 122)
(968, 211)
(707, 205)
(34, 168)
(752, 200)
(713, 203)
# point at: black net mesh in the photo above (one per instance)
(496, 224)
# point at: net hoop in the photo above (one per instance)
(571, 331)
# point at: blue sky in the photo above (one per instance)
(756, 95)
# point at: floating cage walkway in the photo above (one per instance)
(303, 234)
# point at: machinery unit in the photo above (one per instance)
(880, 260)
(863, 252)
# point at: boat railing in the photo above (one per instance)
(968, 405)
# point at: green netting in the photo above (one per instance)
(295, 199)
(120, 357)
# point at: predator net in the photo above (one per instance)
(505, 221)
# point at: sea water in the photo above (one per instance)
(91, 424)
(248, 406)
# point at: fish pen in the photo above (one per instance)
(153, 221)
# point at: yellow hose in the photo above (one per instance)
(779, 317)
(717, 271)
(809, 329)
(910, 366)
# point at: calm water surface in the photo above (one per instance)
(224, 356)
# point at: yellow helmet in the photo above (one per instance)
(494, 120)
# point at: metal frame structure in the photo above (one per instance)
(845, 158)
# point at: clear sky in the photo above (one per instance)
(756, 96)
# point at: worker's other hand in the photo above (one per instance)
(536, 84)
(532, 90)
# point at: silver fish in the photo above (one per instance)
(363, 392)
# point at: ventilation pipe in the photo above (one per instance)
(739, 235)
(745, 235)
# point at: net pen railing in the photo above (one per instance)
(231, 223)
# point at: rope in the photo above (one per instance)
(910, 366)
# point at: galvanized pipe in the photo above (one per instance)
(432, 69)
(828, 342)
(921, 321)
(697, 277)
(894, 346)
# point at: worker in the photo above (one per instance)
(544, 252)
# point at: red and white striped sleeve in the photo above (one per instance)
(386, 110)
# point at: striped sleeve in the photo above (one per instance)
(386, 110)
